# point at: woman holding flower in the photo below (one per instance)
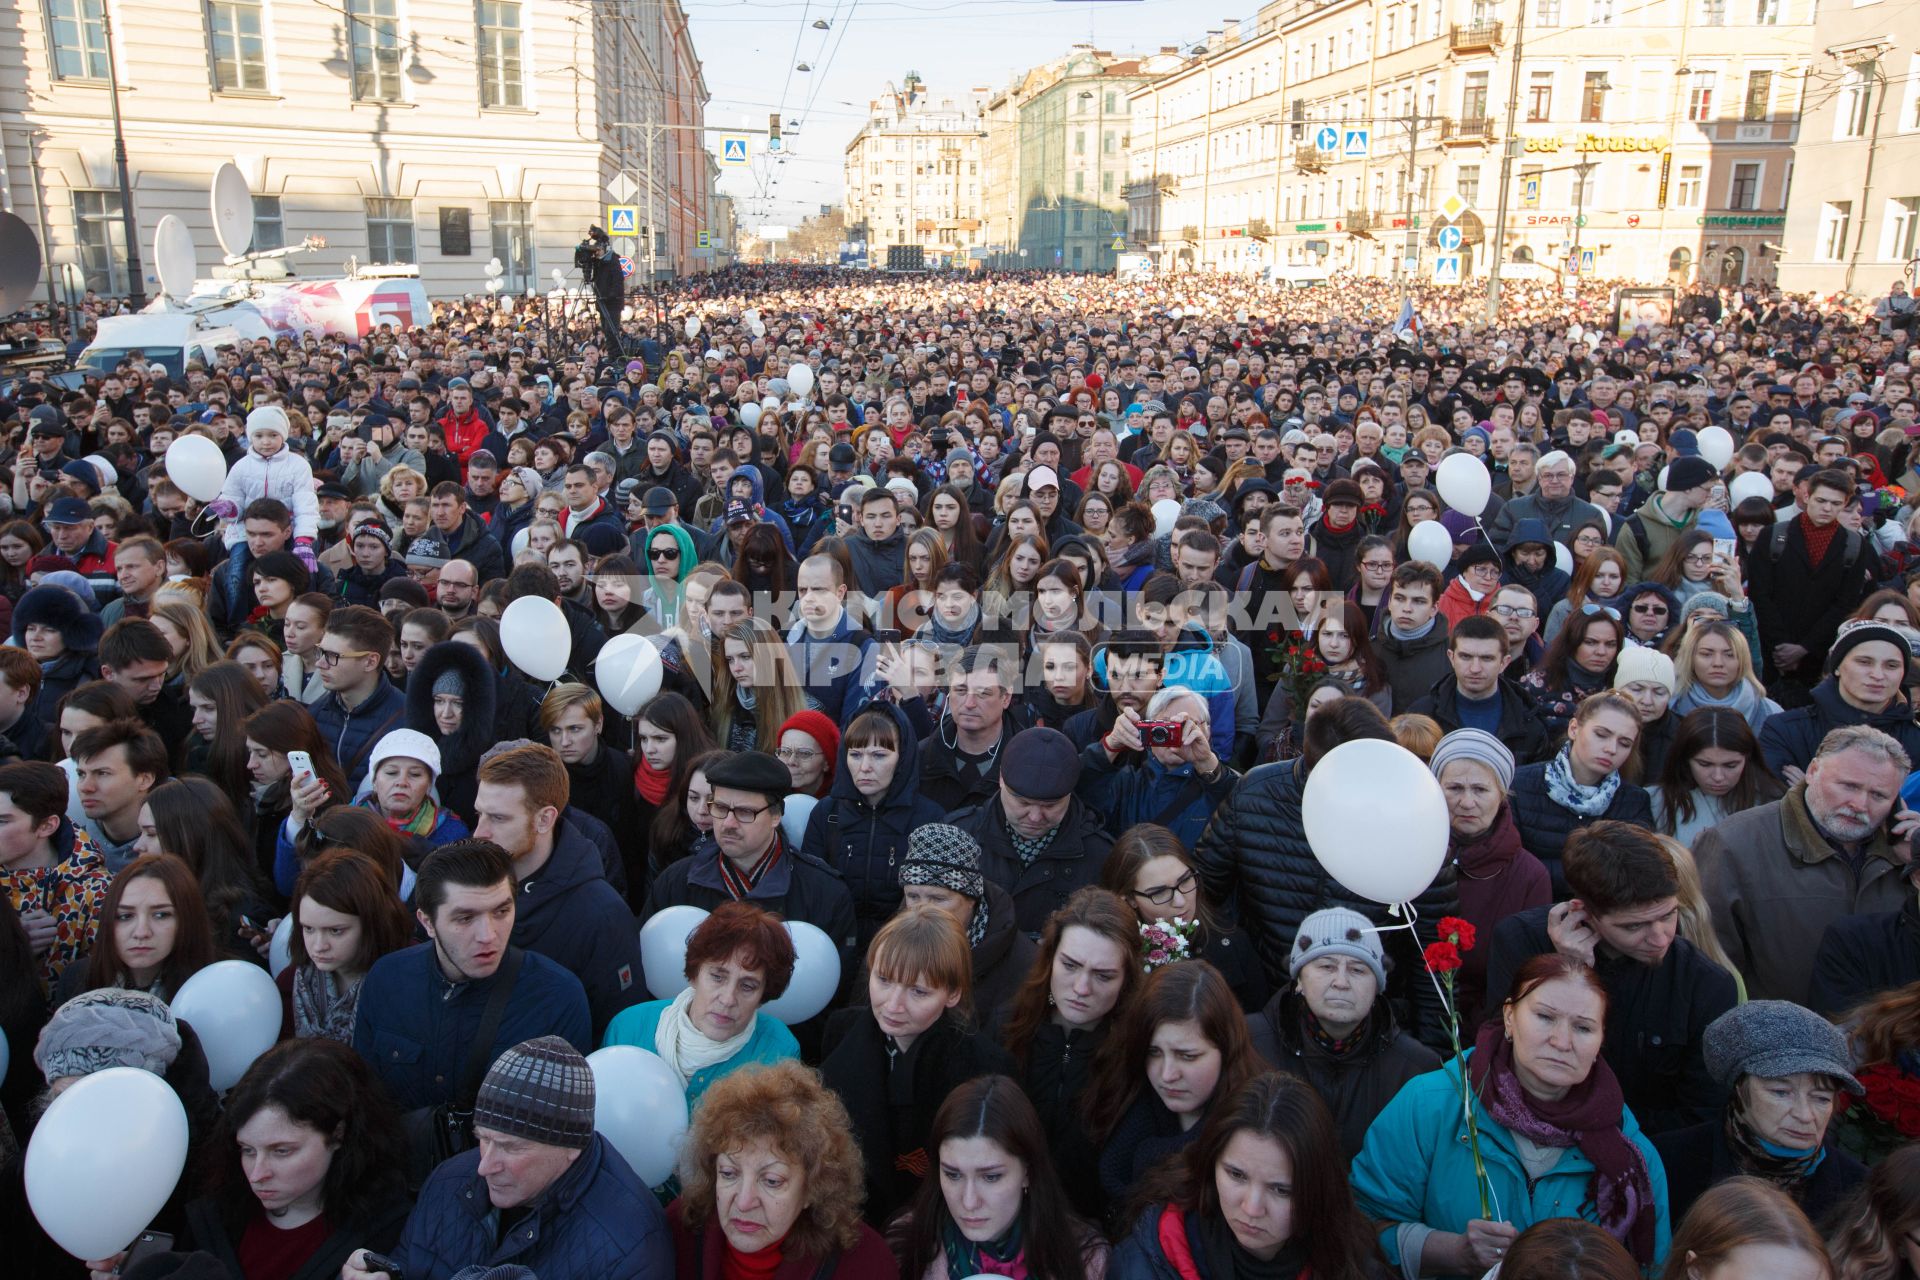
(1151, 869)
(1547, 1135)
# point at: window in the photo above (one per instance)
(1107, 141)
(1600, 13)
(1686, 194)
(390, 231)
(512, 223)
(101, 234)
(1903, 222)
(1473, 96)
(1744, 193)
(269, 228)
(1106, 182)
(1548, 13)
(1766, 12)
(1700, 96)
(1079, 142)
(1467, 183)
(1079, 182)
(1113, 100)
(1713, 13)
(1836, 216)
(1539, 96)
(236, 31)
(1854, 103)
(1680, 261)
(1759, 103)
(79, 39)
(1079, 220)
(1593, 97)
(1586, 187)
(501, 82)
(375, 28)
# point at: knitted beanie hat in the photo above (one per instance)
(1338, 931)
(945, 857)
(540, 1090)
(111, 1027)
(1477, 745)
(1639, 663)
(268, 417)
(450, 682)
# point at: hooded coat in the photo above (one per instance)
(461, 750)
(1072, 859)
(866, 842)
(569, 913)
(1549, 585)
(80, 630)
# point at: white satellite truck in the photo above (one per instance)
(252, 297)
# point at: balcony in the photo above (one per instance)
(1466, 131)
(1359, 221)
(1309, 160)
(1474, 37)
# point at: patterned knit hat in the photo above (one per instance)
(111, 1027)
(945, 857)
(541, 1090)
(1338, 931)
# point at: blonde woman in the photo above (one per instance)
(398, 487)
(189, 634)
(756, 688)
(1714, 668)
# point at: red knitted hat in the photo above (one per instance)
(822, 730)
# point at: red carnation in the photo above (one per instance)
(1442, 957)
(1457, 931)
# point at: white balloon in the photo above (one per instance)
(534, 633)
(757, 327)
(692, 326)
(197, 467)
(1749, 484)
(640, 1108)
(1388, 853)
(750, 415)
(104, 1159)
(750, 315)
(1662, 481)
(628, 672)
(235, 1010)
(1465, 484)
(793, 820)
(1240, 316)
(800, 378)
(279, 952)
(816, 975)
(1716, 446)
(1431, 542)
(1562, 558)
(1575, 333)
(1165, 512)
(663, 949)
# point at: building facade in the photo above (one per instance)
(445, 134)
(1858, 228)
(1075, 139)
(1648, 141)
(913, 174)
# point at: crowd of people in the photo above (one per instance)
(996, 627)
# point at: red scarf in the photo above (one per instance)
(758, 1265)
(1818, 537)
(650, 782)
(737, 884)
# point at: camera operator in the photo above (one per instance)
(1157, 768)
(597, 261)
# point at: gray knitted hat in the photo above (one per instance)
(1478, 745)
(945, 857)
(541, 1090)
(1773, 1038)
(450, 682)
(1337, 931)
(111, 1027)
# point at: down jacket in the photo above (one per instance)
(1255, 853)
(1545, 825)
(866, 843)
(597, 1221)
(1861, 956)
(569, 913)
(1356, 1085)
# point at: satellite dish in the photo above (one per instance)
(174, 257)
(19, 263)
(232, 210)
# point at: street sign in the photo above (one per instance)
(1118, 244)
(1446, 268)
(1326, 138)
(623, 220)
(626, 266)
(626, 245)
(1587, 262)
(733, 150)
(1355, 145)
(1453, 206)
(703, 239)
(1530, 191)
(623, 189)
(1449, 238)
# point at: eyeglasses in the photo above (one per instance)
(738, 812)
(1513, 611)
(795, 755)
(1161, 895)
(1650, 606)
(663, 553)
(1700, 561)
(324, 657)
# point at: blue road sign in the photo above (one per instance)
(733, 151)
(1446, 268)
(626, 266)
(1449, 238)
(1355, 146)
(1326, 138)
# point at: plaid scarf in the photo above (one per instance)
(739, 884)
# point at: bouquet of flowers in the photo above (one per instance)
(1443, 963)
(1372, 516)
(1297, 664)
(1167, 941)
(1888, 1117)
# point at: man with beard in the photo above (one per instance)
(1775, 876)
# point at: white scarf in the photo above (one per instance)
(685, 1047)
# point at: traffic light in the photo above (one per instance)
(773, 127)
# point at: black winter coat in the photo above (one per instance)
(207, 1232)
(1791, 738)
(1545, 825)
(1412, 666)
(1255, 853)
(1797, 602)
(605, 790)
(1657, 1017)
(1356, 1085)
(1861, 956)
(942, 779)
(569, 912)
(798, 887)
(891, 1098)
(1072, 861)
(1004, 955)
(461, 750)
(1698, 1158)
(1059, 1063)
(1524, 732)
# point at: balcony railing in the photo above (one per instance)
(1359, 220)
(1470, 37)
(1467, 130)
(1309, 160)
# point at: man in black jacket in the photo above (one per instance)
(1037, 840)
(1807, 575)
(1410, 635)
(960, 761)
(1862, 956)
(1478, 696)
(1661, 991)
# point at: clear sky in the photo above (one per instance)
(749, 49)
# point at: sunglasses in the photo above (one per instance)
(663, 553)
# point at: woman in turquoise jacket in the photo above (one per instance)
(739, 958)
(1555, 1139)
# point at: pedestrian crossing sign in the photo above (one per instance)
(733, 150)
(623, 220)
(1446, 268)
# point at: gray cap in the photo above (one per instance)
(1774, 1038)
(1477, 745)
(1338, 931)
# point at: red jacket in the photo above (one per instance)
(464, 434)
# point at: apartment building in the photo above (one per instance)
(913, 173)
